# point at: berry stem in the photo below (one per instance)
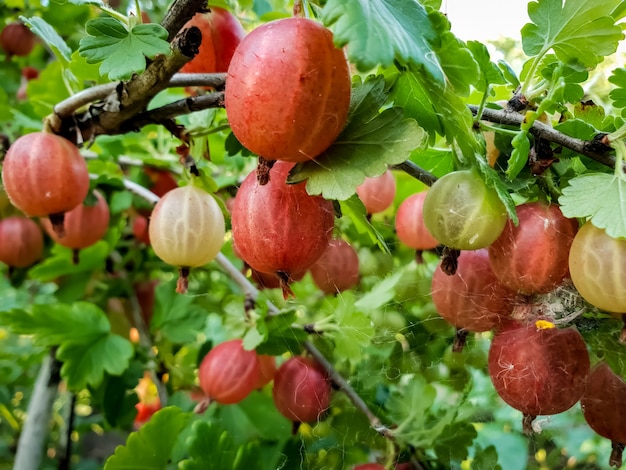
(617, 449)
(527, 424)
(58, 225)
(183, 280)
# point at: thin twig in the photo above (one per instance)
(181, 12)
(416, 172)
(543, 131)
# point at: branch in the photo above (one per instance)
(589, 148)
(416, 172)
(69, 106)
(31, 444)
(128, 98)
(177, 108)
(181, 12)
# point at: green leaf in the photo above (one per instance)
(618, 94)
(438, 109)
(457, 61)
(490, 73)
(581, 32)
(370, 141)
(381, 294)
(354, 208)
(121, 52)
(355, 330)
(151, 446)
(212, 448)
(454, 441)
(85, 363)
(55, 324)
(379, 32)
(175, 316)
(519, 156)
(602, 197)
(486, 459)
(50, 37)
(281, 335)
(61, 262)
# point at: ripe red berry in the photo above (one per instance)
(532, 257)
(84, 225)
(45, 175)
(604, 408)
(278, 228)
(472, 298)
(410, 226)
(337, 269)
(229, 373)
(377, 193)
(539, 369)
(288, 90)
(21, 241)
(17, 39)
(301, 390)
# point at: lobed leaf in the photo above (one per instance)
(120, 52)
(379, 32)
(581, 32)
(85, 363)
(151, 446)
(600, 196)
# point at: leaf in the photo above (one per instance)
(602, 197)
(486, 459)
(379, 32)
(458, 63)
(50, 37)
(490, 73)
(151, 446)
(618, 94)
(454, 441)
(60, 263)
(121, 52)
(381, 294)
(354, 208)
(370, 141)
(175, 316)
(55, 324)
(355, 329)
(519, 156)
(280, 334)
(85, 363)
(440, 110)
(581, 32)
(212, 448)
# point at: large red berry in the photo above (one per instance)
(228, 373)
(17, 39)
(278, 228)
(604, 408)
(84, 225)
(288, 90)
(301, 390)
(472, 298)
(21, 241)
(539, 369)
(532, 257)
(45, 175)
(337, 269)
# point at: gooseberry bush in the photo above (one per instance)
(310, 234)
